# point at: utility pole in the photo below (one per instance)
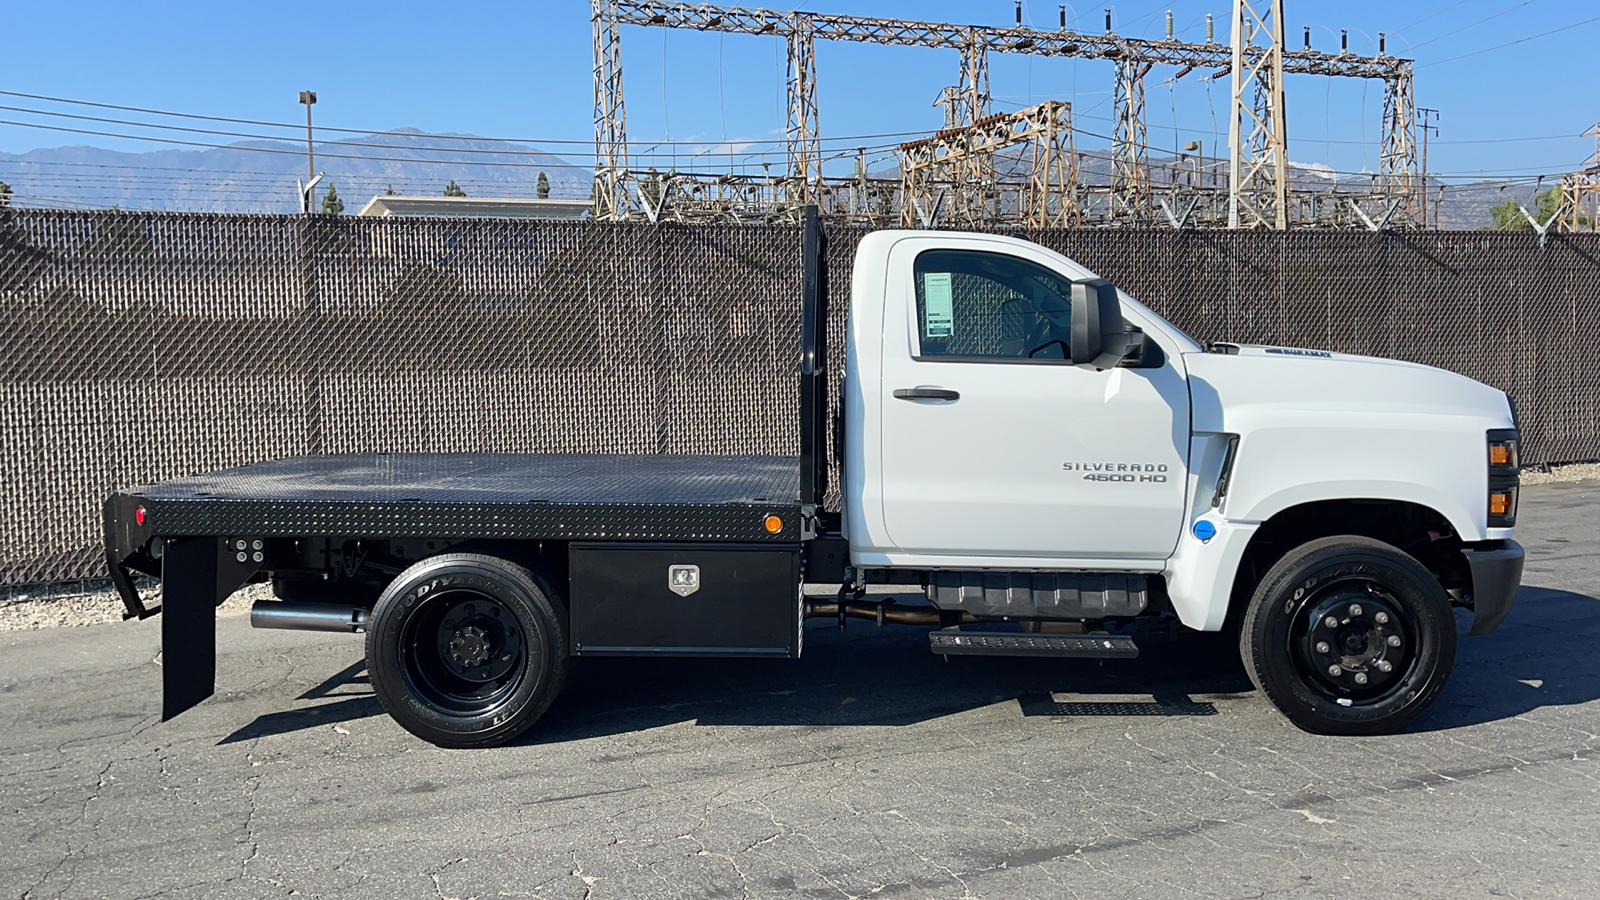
(309, 98)
(1423, 116)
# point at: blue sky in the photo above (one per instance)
(523, 70)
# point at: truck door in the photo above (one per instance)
(993, 443)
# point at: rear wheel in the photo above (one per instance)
(1349, 635)
(467, 650)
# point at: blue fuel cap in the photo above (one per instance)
(1205, 530)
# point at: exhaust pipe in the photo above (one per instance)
(297, 615)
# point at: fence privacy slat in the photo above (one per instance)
(140, 347)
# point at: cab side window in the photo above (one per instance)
(977, 305)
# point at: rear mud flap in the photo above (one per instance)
(197, 574)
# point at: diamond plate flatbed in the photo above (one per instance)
(510, 496)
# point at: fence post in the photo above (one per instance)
(311, 336)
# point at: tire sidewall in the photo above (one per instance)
(525, 596)
(1276, 604)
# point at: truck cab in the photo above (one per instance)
(1053, 466)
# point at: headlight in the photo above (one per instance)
(1504, 467)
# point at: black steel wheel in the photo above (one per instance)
(467, 650)
(1349, 635)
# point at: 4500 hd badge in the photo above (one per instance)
(1155, 473)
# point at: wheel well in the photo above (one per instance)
(339, 569)
(1415, 529)
(546, 559)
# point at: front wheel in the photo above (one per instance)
(1349, 635)
(467, 650)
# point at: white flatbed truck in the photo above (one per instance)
(1054, 465)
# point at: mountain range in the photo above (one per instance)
(262, 176)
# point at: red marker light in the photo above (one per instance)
(138, 516)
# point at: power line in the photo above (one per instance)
(268, 137)
(1497, 15)
(263, 137)
(589, 142)
(1512, 43)
(450, 162)
(1432, 15)
(248, 149)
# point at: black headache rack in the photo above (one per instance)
(219, 531)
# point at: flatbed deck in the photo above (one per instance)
(511, 496)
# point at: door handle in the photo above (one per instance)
(925, 393)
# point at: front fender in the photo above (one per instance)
(1436, 463)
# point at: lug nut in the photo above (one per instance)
(1381, 618)
(257, 556)
(1394, 640)
(242, 556)
(1355, 609)
(1361, 678)
(1322, 646)
(1335, 671)
(1385, 666)
(1331, 622)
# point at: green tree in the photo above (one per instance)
(5, 194)
(454, 190)
(389, 191)
(543, 188)
(1508, 215)
(331, 204)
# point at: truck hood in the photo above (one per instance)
(1234, 386)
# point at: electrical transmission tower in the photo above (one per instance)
(1258, 164)
(1259, 65)
(1580, 193)
(610, 125)
(1397, 169)
(805, 140)
(938, 168)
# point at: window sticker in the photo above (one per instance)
(938, 316)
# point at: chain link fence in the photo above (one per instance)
(142, 347)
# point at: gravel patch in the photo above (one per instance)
(76, 606)
(1573, 472)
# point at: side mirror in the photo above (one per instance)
(1100, 337)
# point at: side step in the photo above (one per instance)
(955, 642)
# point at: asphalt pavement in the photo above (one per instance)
(870, 768)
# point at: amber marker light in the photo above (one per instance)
(1500, 454)
(774, 524)
(1500, 503)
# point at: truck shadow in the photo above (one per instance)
(1542, 656)
(887, 676)
(353, 699)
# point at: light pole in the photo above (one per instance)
(308, 98)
